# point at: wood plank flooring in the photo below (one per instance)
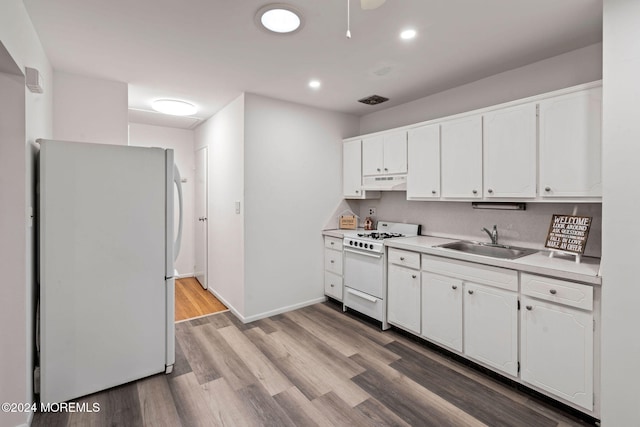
(315, 366)
(193, 301)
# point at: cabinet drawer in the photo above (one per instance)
(559, 291)
(333, 243)
(333, 285)
(333, 261)
(478, 273)
(406, 258)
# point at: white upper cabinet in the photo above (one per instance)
(461, 158)
(570, 145)
(352, 172)
(423, 177)
(385, 154)
(510, 152)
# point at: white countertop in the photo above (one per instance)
(587, 271)
(562, 267)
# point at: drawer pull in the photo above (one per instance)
(553, 291)
(332, 243)
(413, 276)
(332, 285)
(454, 287)
(433, 192)
(332, 261)
(401, 258)
(470, 291)
(529, 308)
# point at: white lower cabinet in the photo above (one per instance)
(557, 339)
(491, 327)
(403, 297)
(333, 256)
(442, 310)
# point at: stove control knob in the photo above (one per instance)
(360, 244)
(366, 246)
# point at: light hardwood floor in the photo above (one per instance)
(193, 301)
(315, 366)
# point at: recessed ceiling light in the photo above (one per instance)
(279, 18)
(174, 107)
(314, 84)
(408, 34)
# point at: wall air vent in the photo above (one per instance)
(373, 100)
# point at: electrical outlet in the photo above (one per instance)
(372, 212)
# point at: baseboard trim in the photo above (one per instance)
(282, 310)
(265, 314)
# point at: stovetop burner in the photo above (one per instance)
(379, 236)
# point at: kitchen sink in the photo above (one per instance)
(488, 249)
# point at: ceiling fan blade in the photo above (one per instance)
(371, 4)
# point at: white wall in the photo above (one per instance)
(621, 203)
(459, 220)
(570, 69)
(28, 116)
(293, 182)
(88, 109)
(182, 143)
(223, 134)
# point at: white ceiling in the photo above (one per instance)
(210, 51)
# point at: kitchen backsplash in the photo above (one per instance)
(460, 221)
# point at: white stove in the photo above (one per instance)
(365, 268)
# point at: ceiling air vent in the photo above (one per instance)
(373, 100)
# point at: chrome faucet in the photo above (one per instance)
(493, 234)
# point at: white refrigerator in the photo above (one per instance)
(106, 266)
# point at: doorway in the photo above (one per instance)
(201, 228)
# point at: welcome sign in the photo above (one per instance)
(568, 233)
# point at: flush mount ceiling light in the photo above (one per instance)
(279, 18)
(408, 34)
(174, 107)
(314, 84)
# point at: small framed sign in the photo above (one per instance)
(348, 222)
(568, 234)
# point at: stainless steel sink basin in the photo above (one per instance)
(488, 249)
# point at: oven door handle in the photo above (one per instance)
(363, 253)
(362, 295)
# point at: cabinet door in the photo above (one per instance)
(461, 149)
(557, 350)
(395, 153)
(570, 145)
(423, 175)
(510, 152)
(333, 261)
(403, 298)
(333, 285)
(373, 155)
(442, 310)
(352, 169)
(491, 327)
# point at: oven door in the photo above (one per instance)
(364, 271)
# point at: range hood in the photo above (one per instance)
(385, 183)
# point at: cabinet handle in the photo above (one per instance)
(490, 191)
(332, 285)
(547, 189)
(357, 191)
(378, 169)
(529, 308)
(413, 276)
(433, 191)
(470, 292)
(333, 261)
(475, 191)
(332, 243)
(386, 169)
(454, 287)
(553, 291)
(401, 258)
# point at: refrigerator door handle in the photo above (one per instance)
(178, 181)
